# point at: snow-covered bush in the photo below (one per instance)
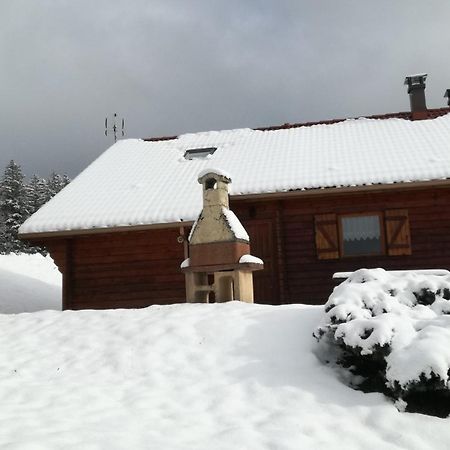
(392, 330)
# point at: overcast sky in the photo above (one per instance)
(175, 66)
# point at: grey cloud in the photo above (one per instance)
(176, 66)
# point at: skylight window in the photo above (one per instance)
(198, 153)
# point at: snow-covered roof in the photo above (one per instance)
(138, 182)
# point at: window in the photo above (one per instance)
(346, 235)
(360, 235)
(198, 153)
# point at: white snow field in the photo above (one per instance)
(188, 376)
(29, 283)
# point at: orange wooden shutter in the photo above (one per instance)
(398, 239)
(327, 240)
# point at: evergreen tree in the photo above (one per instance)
(54, 184)
(13, 208)
(36, 196)
(36, 193)
(66, 180)
(18, 200)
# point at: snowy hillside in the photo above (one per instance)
(28, 283)
(221, 376)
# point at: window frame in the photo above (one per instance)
(340, 227)
(191, 154)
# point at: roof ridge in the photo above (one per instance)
(406, 115)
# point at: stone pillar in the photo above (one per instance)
(197, 288)
(243, 286)
(223, 286)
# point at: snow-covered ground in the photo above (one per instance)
(29, 283)
(220, 376)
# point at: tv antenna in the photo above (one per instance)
(117, 127)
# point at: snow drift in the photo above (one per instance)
(190, 376)
(220, 376)
(28, 283)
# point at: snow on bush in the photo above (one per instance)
(393, 331)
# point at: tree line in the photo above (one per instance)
(19, 199)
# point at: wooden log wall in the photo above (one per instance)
(140, 268)
(307, 279)
(120, 270)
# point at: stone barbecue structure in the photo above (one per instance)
(219, 248)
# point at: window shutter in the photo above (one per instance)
(327, 241)
(398, 239)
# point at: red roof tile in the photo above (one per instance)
(407, 115)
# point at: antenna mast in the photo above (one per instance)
(116, 128)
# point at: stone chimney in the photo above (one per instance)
(447, 95)
(416, 91)
(218, 236)
(219, 247)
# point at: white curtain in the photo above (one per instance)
(363, 227)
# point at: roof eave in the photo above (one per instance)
(338, 190)
(88, 231)
(335, 190)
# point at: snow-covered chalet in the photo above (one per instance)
(315, 198)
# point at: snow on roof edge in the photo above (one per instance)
(191, 221)
(324, 157)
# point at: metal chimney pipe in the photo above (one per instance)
(447, 94)
(416, 91)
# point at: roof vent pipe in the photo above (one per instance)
(416, 91)
(447, 94)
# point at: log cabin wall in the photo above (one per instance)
(305, 278)
(120, 270)
(140, 268)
